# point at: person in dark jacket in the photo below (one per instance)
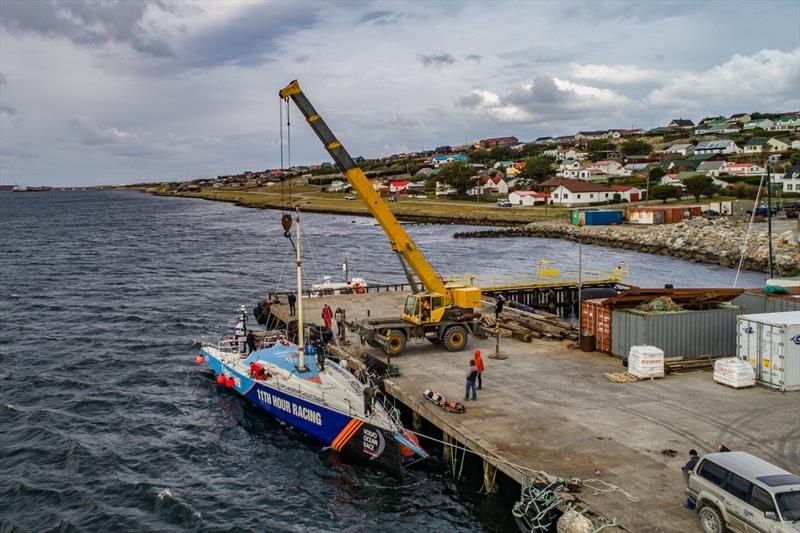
(251, 342)
(472, 376)
(292, 300)
(689, 466)
(369, 397)
(498, 307)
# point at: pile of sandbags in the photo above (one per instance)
(646, 362)
(734, 373)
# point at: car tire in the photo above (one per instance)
(455, 338)
(711, 520)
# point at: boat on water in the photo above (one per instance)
(316, 396)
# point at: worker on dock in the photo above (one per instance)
(369, 397)
(292, 299)
(327, 315)
(319, 348)
(472, 375)
(689, 466)
(479, 365)
(338, 316)
(498, 307)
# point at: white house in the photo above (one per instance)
(610, 167)
(493, 185)
(527, 198)
(573, 154)
(569, 164)
(680, 149)
(796, 145)
(671, 179)
(711, 168)
(443, 189)
(787, 123)
(570, 193)
(725, 146)
(790, 180)
(744, 169)
(629, 193)
(439, 160)
(339, 186)
(398, 186)
(585, 174)
(764, 123)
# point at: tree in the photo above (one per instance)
(598, 149)
(501, 152)
(700, 185)
(656, 173)
(532, 149)
(665, 192)
(479, 156)
(636, 147)
(458, 175)
(538, 168)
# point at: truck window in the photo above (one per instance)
(438, 302)
(738, 486)
(712, 472)
(789, 505)
(410, 305)
(762, 500)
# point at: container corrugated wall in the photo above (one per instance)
(596, 320)
(752, 303)
(682, 334)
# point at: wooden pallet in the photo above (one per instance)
(626, 377)
(682, 366)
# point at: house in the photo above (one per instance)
(629, 193)
(527, 198)
(777, 145)
(513, 171)
(504, 164)
(490, 185)
(741, 118)
(712, 168)
(725, 146)
(543, 140)
(496, 142)
(443, 189)
(681, 123)
(637, 166)
(443, 149)
(744, 169)
(570, 193)
(376, 184)
(572, 154)
(786, 123)
(568, 164)
(589, 135)
(438, 160)
(796, 145)
(680, 149)
(710, 121)
(671, 179)
(718, 129)
(763, 123)
(586, 174)
(398, 186)
(610, 167)
(339, 186)
(755, 145)
(791, 180)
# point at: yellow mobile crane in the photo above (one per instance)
(443, 314)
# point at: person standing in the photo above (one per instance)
(498, 307)
(292, 300)
(338, 316)
(369, 397)
(479, 365)
(319, 348)
(472, 375)
(689, 466)
(327, 316)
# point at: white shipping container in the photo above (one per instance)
(770, 343)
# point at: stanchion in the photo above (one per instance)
(497, 354)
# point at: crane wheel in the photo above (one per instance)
(455, 338)
(395, 342)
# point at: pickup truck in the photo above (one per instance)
(791, 209)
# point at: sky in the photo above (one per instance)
(124, 92)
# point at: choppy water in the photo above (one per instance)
(106, 423)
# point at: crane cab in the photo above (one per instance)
(424, 308)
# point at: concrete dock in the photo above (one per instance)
(550, 408)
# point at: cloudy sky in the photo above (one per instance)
(121, 92)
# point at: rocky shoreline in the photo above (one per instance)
(715, 241)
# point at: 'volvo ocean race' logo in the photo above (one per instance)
(796, 340)
(373, 444)
(749, 330)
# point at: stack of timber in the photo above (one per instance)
(685, 298)
(689, 364)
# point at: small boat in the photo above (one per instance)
(318, 397)
(330, 287)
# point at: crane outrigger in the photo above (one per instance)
(442, 313)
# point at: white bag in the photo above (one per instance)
(646, 362)
(734, 373)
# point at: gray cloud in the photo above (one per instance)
(473, 57)
(86, 23)
(7, 109)
(3, 79)
(90, 133)
(382, 17)
(436, 60)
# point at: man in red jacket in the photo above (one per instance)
(479, 364)
(327, 315)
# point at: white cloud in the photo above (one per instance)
(91, 134)
(619, 74)
(768, 80)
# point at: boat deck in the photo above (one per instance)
(550, 408)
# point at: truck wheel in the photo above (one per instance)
(374, 344)
(455, 338)
(711, 520)
(396, 342)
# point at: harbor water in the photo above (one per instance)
(105, 421)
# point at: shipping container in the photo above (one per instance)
(596, 320)
(755, 302)
(770, 343)
(679, 334)
(602, 218)
(662, 214)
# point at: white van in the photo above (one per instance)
(738, 492)
(503, 202)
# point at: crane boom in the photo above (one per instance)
(399, 239)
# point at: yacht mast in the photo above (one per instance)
(301, 354)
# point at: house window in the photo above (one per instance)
(591, 196)
(788, 186)
(565, 195)
(579, 196)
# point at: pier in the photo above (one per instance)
(548, 409)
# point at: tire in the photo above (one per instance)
(455, 338)
(434, 340)
(396, 343)
(711, 520)
(374, 344)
